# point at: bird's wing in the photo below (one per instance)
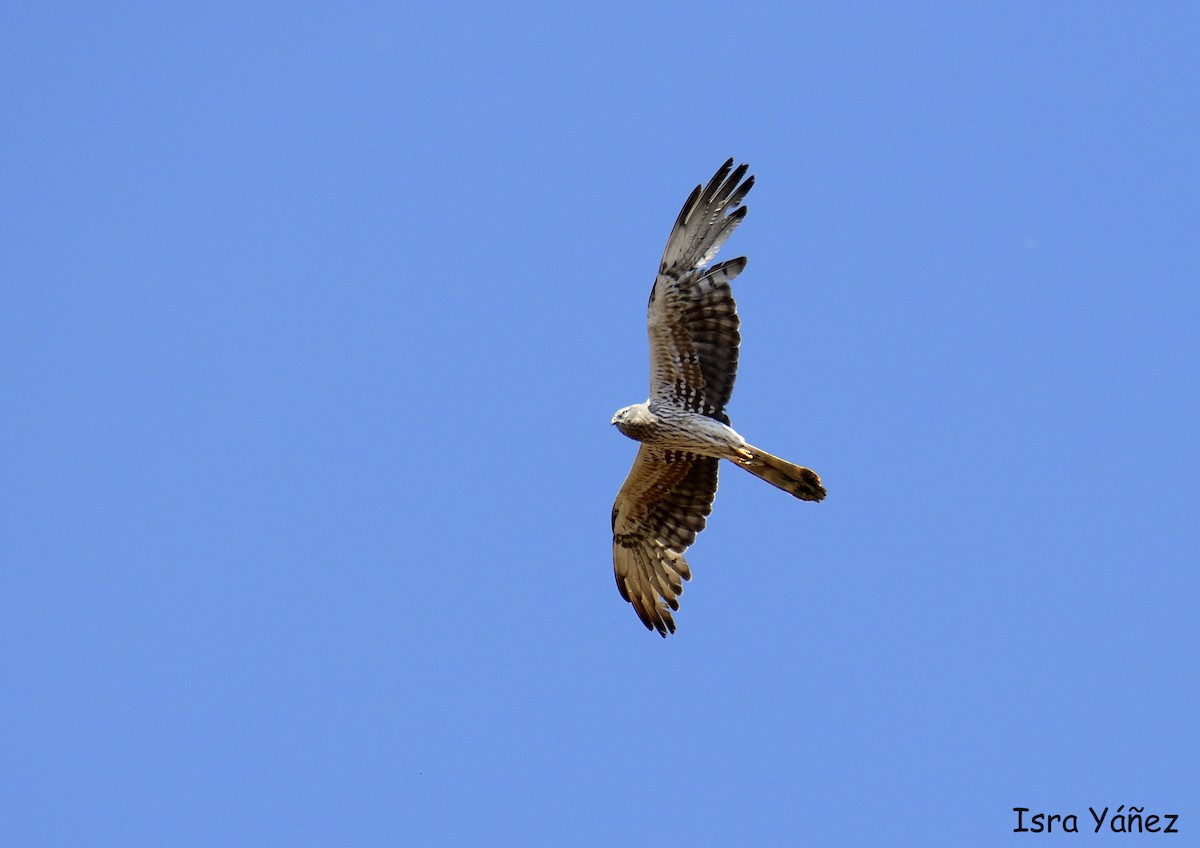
(658, 512)
(692, 317)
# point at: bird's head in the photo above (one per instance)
(634, 420)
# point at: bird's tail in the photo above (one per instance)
(802, 483)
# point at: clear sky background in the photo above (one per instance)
(313, 319)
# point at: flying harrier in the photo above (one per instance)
(683, 427)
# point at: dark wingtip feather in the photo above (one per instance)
(734, 178)
(740, 195)
(718, 181)
(688, 206)
(621, 588)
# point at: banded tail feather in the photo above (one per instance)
(796, 480)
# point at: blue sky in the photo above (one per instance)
(312, 322)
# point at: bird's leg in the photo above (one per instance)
(744, 456)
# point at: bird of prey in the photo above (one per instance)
(683, 427)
